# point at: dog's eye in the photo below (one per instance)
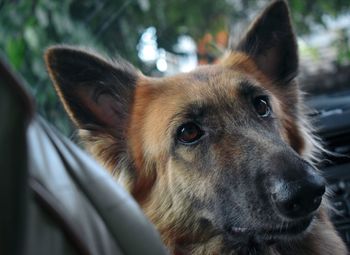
(189, 133)
(262, 106)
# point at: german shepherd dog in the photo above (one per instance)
(221, 159)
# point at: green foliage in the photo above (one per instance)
(343, 45)
(114, 28)
(306, 14)
(27, 28)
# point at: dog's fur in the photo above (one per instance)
(194, 193)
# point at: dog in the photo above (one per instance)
(220, 159)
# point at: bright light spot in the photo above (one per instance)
(162, 65)
(185, 44)
(148, 53)
(188, 63)
(147, 48)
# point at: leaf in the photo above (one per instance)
(15, 49)
(31, 37)
(42, 17)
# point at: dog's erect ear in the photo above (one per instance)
(94, 91)
(271, 42)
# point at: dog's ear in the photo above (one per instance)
(95, 92)
(271, 42)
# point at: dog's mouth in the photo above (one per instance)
(283, 231)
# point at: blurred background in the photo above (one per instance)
(166, 37)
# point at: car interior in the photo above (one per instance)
(330, 114)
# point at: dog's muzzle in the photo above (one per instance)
(298, 195)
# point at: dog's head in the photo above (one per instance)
(221, 150)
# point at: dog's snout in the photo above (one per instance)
(299, 198)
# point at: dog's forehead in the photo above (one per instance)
(215, 84)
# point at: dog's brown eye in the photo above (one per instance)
(262, 106)
(189, 133)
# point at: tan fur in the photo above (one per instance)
(156, 102)
(154, 105)
(179, 192)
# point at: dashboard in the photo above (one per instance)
(330, 115)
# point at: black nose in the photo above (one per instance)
(298, 198)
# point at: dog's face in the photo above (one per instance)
(217, 151)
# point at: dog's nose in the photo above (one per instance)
(298, 198)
